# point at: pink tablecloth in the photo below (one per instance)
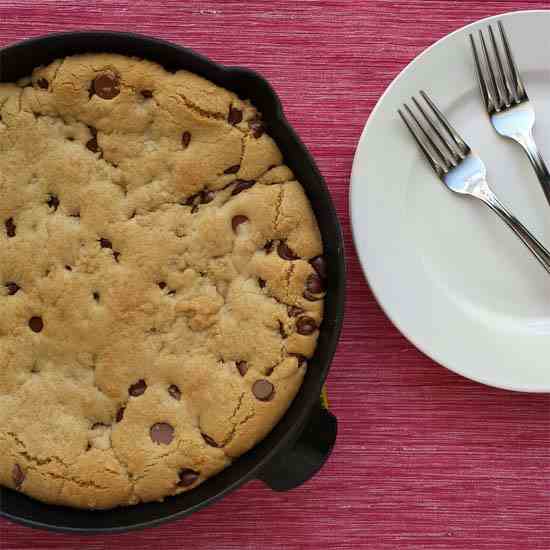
(424, 459)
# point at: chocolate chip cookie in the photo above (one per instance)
(161, 281)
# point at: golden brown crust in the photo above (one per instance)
(154, 266)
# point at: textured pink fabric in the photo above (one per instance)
(424, 459)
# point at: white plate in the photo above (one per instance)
(449, 274)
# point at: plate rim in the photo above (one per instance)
(354, 183)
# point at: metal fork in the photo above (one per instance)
(506, 100)
(461, 170)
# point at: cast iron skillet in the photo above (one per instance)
(299, 445)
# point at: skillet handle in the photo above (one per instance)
(296, 465)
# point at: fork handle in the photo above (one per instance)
(527, 141)
(526, 237)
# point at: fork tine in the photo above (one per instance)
(489, 65)
(452, 156)
(429, 139)
(463, 147)
(483, 84)
(503, 79)
(436, 164)
(448, 160)
(519, 87)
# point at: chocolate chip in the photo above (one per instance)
(282, 330)
(68, 268)
(162, 433)
(105, 243)
(294, 311)
(138, 388)
(207, 196)
(301, 358)
(10, 227)
(241, 185)
(53, 202)
(268, 247)
(116, 256)
(237, 220)
(311, 297)
(147, 94)
(43, 83)
(314, 284)
(318, 263)
(232, 169)
(185, 139)
(96, 296)
(261, 283)
(306, 325)
(187, 477)
(242, 367)
(17, 475)
(285, 252)
(36, 324)
(235, 116)
(175, 392)
(257, 128)
(209, 440)
(106, 86)
(263, 390)
(120, 414)
(162, 285)
(172, 293)
(13, 288)
(92, 145)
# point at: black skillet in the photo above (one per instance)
(302, 441)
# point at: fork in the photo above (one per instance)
(460, 169)
(506, 100)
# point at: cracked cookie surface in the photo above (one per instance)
(161, 281)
